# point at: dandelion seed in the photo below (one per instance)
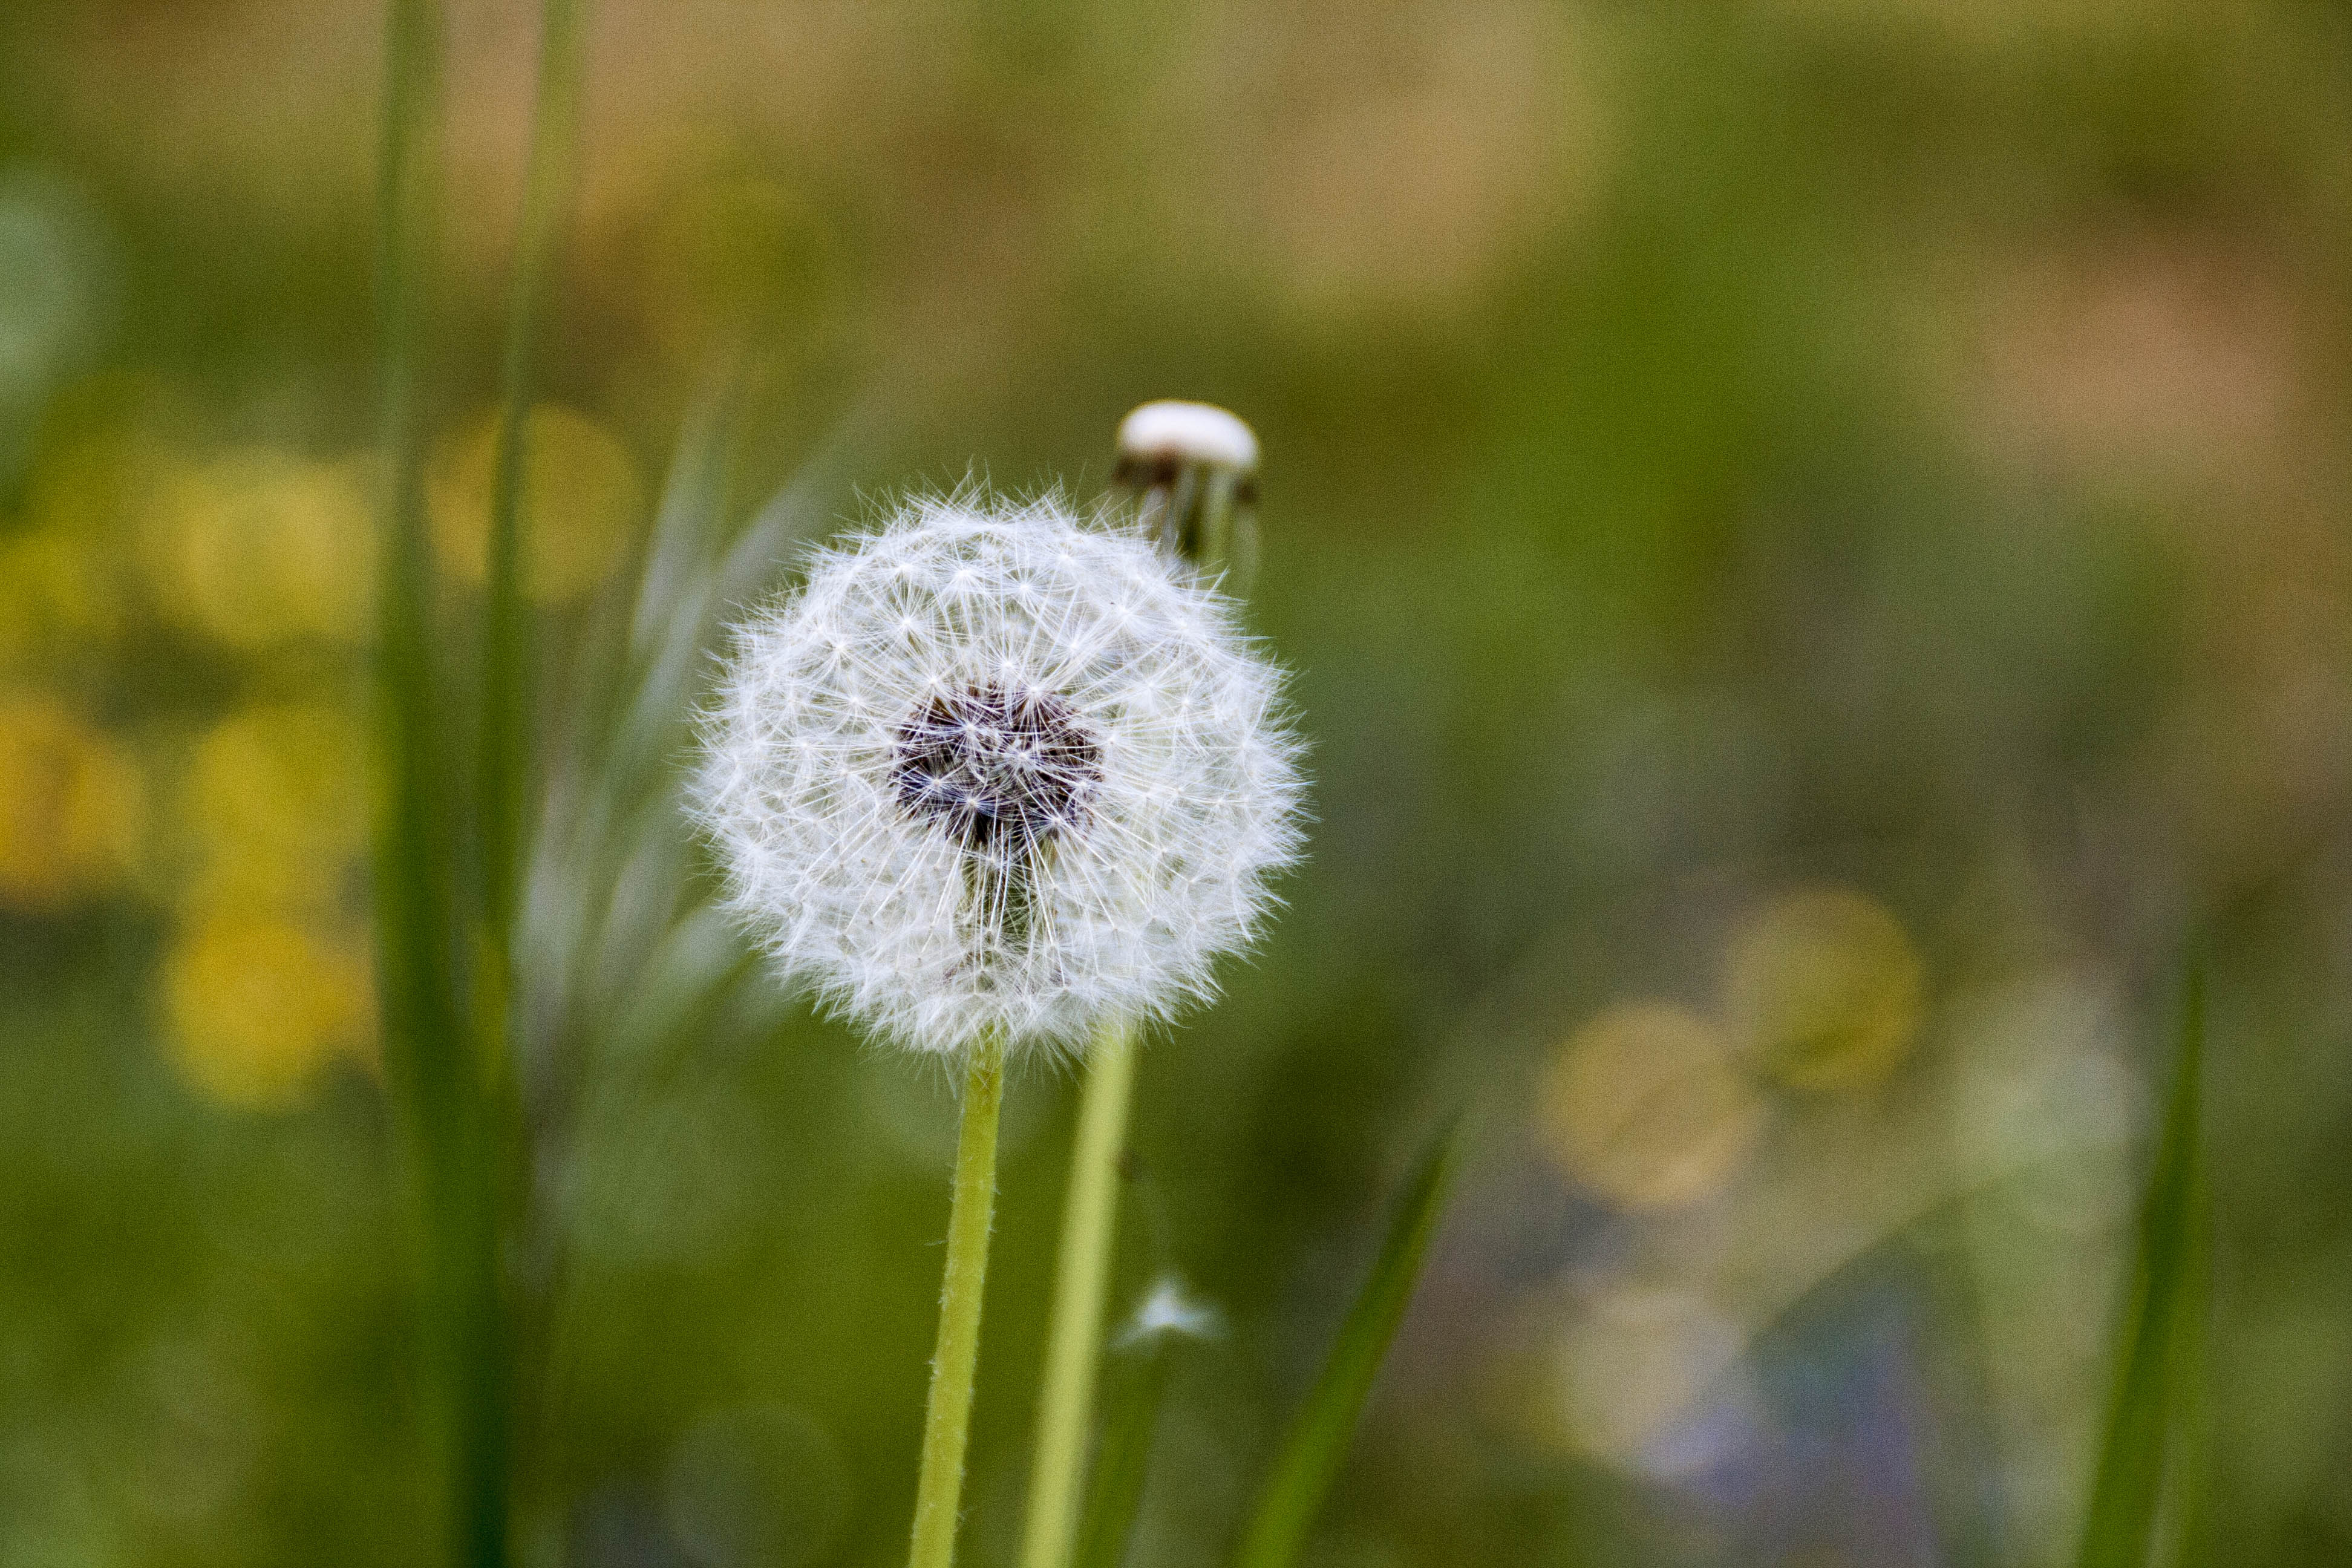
(1170, 1309)
(995, 769)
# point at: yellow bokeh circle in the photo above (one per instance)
(1645, 1106)
(70, 806)
(275, 805)
(256, 1006)
(257, 546)
(1824, 989)
(583, 500)
(1636, 1367)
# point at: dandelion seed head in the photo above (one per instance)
(994, 768)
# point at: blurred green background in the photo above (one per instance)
(1813, 538)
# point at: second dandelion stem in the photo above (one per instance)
(1190, 472)
(1081, 1276)
(947, 1420)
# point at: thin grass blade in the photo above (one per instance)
(503, 752)
(414, 869)
(430, 1056)
(1319, 1440)
(1131, 1414)
(2158, 1331)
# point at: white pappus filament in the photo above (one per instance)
(997, 769)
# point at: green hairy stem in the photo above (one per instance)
(947, 1419)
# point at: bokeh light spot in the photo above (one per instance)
(70, 806)
(1824, 988)
(2044, 1103)
(1645, 1106)
(257, 546)
(55, 272)
(257, 1005)
(275, 801)
(1641, 1370)
(583, 498)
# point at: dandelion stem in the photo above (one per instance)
(1081, 1279)
(1190, 472)
(947, 1420)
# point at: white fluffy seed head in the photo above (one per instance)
(994, 769)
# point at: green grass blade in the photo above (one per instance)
(414, 859)
(415, 873)
(515, 1330)
(1130, 1414)
(503, 757)
(1318, 1443)
(430, 1056)
(2157, 1335)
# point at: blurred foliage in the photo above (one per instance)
(1814, 540)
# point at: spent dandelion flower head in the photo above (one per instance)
(995, 769)
(1174, 431)
(1191, 471)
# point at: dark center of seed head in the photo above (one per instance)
(1000, 771)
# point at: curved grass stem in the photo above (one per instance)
(502, 761)
(947, 1419)
(1081, 1279)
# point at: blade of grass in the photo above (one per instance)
(1138, 1376)
(503, 755)
(630, 969)
(2157, 1333)
(1318, 1443)
(611, 777)
(503, 758)
(429, 1055)
(414, 876)
(1117, 1490)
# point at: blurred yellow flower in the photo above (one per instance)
(71, 804)
(275, 802)
(1824, 988)
(258, 546)
(1645, 1106)
(256, 1006)
(583, 498)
